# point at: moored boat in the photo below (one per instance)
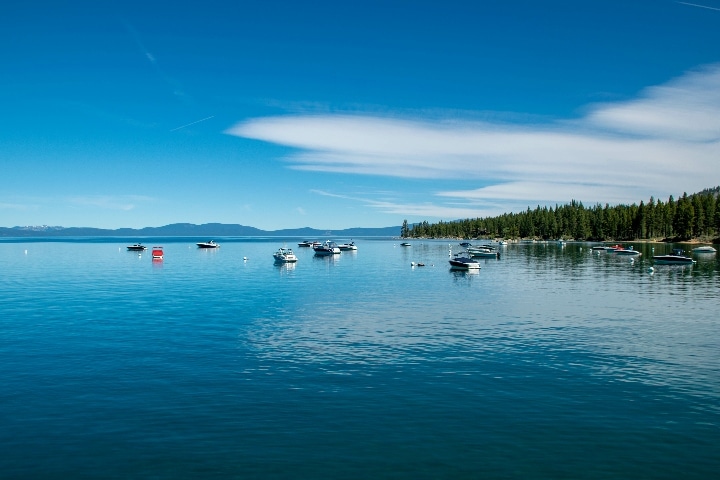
(137, 247)
(704, 249)
(627, 252)
(674, 258)
(347, 246)
(210, 244)
(157, 253)
(485, 251)
(461, 261)
(406, 244)
(327, 248)
(285, 255)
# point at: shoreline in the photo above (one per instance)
(692, 241)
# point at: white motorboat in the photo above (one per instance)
(674, 258)
(484, 251)
(704, 249)
(484, 254)
(461, 261)
(210, 244)
(347, 246)
(137, 247)
(285, 255)
(327, 248)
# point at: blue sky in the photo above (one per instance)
(338, 114)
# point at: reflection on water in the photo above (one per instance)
(564, 303)
(364, 357)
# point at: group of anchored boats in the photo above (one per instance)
(328, 248)
(282, 255)
(157, 252)
(468, 259)
(463, 260)
(676, 257)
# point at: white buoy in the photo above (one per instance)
(244, 259)
(412, 264)
(25, 252)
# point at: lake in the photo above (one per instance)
(549, 362)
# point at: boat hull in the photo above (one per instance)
(672, 260)
(463, 263)
(484, 254)
(328, 248)
(323, 252)
(628, 253)
(465, 266)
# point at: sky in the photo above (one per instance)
(339, 114)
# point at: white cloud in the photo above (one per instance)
(109, 202)
(665, 142)
(685, 109)
(16, 206)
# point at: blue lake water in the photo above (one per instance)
(550, 362)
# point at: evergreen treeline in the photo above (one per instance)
(690, 216)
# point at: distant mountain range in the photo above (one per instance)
(191, 230)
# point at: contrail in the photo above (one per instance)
(700, 6)
(192, 123)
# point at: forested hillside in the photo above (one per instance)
(688, 217)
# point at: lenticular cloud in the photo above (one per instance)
(668, 138)
(686, 109)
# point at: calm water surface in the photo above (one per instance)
(550, 362)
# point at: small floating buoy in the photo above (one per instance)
(651, 270)
(244, 259)
(25, 252)
(412, 264)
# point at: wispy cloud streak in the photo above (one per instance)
(699, 6)
(664, 142)
(193, 123)
(121, 202)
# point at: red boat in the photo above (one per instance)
(157, 252)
